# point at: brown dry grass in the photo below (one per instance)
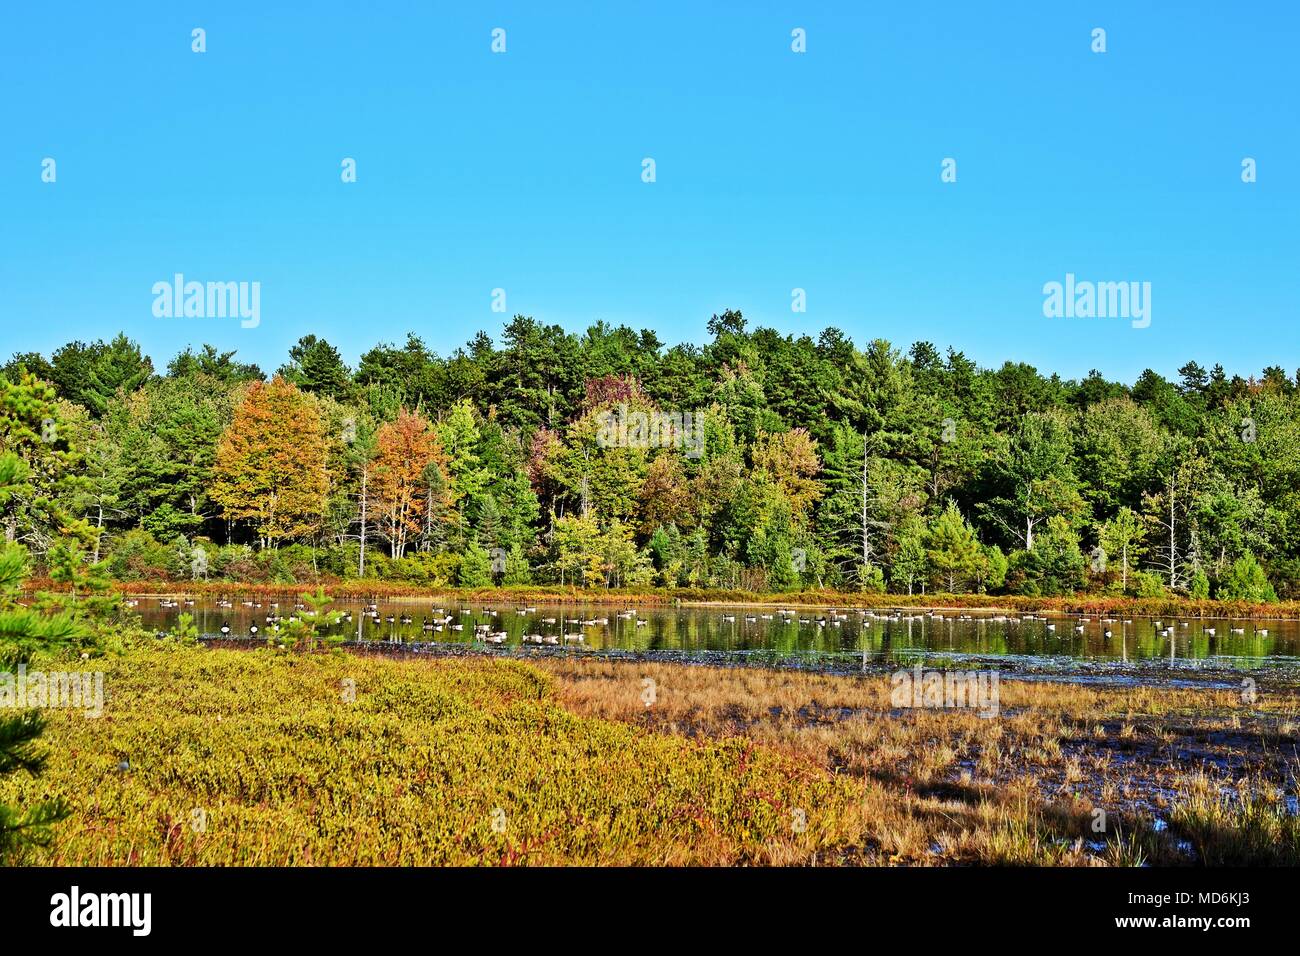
(949, 786)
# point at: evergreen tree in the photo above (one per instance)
(23, 634)
(952, 548)
(1246, 581)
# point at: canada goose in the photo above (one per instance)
(1261, 630)
(252, 629)
(406, 619)
(1209, 630)
(497, 637)
(574, 638)
(225, 628)
(425, 625)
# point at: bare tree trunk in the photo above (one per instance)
(365, 477)
(866, 538)
(1173, 546)
(99, 532)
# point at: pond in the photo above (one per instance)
(831, 637)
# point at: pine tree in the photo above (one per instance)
(1246, 581)
(475, 567)
(23, 633)
(952, 547)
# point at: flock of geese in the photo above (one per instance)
(555, 631)
(486, 628)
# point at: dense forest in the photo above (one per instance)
(608, 459)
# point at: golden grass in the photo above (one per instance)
(561, 761)
(250, 758)
(951, 786)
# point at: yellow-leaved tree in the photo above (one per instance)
(410, 479)
(271, 463)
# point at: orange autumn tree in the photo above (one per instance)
(410, 478)
(271, 462)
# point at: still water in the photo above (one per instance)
(815, 633)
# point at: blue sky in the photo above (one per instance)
(775, 170)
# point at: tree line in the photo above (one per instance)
(815, 463)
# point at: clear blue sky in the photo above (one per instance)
(775, 171)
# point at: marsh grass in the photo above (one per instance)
(258, 758)
(949, 786)
(252, 758)
(1241, 825)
